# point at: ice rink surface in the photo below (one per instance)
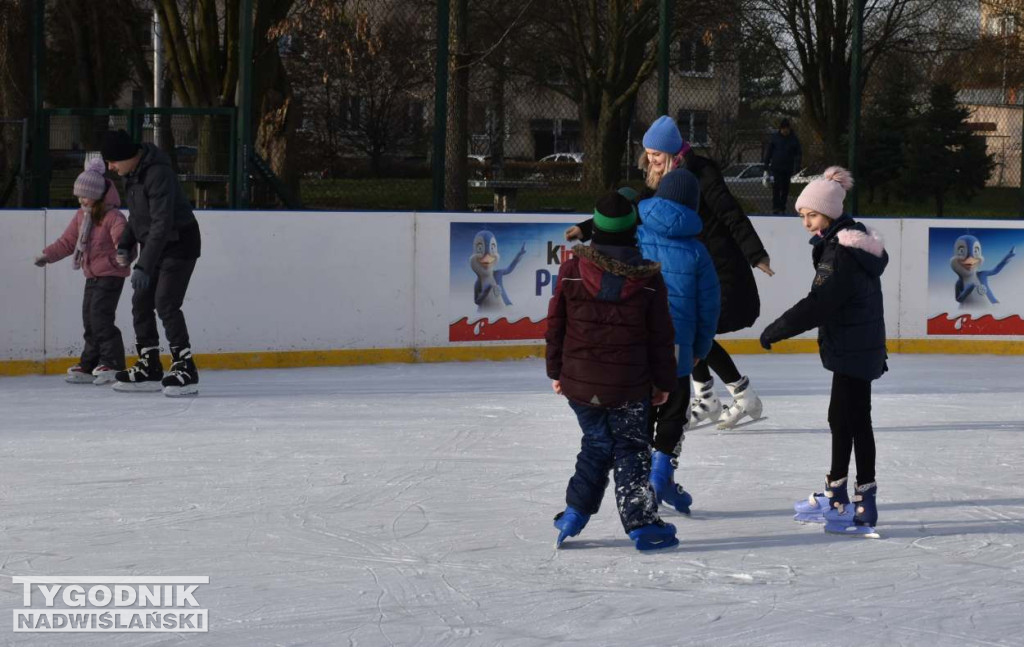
(412, 505)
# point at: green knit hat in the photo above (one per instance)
(615, 220)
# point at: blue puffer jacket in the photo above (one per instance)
(668, 235)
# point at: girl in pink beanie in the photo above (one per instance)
(92, 237)
(845, 305)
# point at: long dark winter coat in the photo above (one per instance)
(160, 217)
(845, 302)
(734, 245)
(783, 155)
(610, 336)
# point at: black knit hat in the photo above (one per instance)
(615, 221)
(117, 146)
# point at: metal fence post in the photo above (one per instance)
(664, 36)
(440, 105)
(855, 97)
(40, 132)
(244, 114)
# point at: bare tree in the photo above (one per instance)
(363, 79)
(811, 40)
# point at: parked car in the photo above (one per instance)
(743, 173)
(560, 166)
(567, 158)
(805, 175)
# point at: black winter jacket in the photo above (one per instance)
(731, 240)
(733, 243)
(783, 155)
(160, 217)
(845, 302)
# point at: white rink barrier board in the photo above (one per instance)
(277, 288)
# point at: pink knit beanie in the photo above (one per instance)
(91, 183)
(825, 195)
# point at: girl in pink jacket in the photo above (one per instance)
(91, 237)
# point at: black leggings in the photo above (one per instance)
(668, 421)
(719, 361)
(849, 418)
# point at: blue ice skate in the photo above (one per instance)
(812, 509)
(663, 467)
(819, 507)
(654, 536)
(864, 518)
(570, 523)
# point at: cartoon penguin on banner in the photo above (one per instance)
(972, 288)
(488, 292)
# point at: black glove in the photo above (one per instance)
(140, 280)
(766, 342)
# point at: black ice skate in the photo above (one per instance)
(145, 376)
(183, 377)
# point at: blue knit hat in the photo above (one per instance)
(680, 186)
(663, 135)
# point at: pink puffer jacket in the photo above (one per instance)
(99, 257)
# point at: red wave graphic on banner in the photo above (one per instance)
(947, 324)
(500, 329)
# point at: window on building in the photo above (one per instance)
(693, 125)
(694, 57)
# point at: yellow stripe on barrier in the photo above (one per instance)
(308, 358)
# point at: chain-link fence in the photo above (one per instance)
(13, 158)
(543, 105)
(198, 143)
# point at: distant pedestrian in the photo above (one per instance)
(782, 160)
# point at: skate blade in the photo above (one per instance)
(181, 391)
(137, 387)
(104, 379)
(75, 379)
(723, 426)
(646, 545)
(809, 517)
(864, 532)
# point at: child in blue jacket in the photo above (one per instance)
(668, 235)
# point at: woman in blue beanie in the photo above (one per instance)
(735, 248)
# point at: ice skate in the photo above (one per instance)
(183, 378)
(103, 374)
(654, 536)
(705, 405)
(864, 515)
(78, 375)
(570, 522)
(663, 483)
(745, 404)
(144, 376)
(812, 509)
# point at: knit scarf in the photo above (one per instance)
(84, 230)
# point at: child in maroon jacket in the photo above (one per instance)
(610, 351)
(91, 237)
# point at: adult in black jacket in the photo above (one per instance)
(782, 159)
(735, 248)
(161, 220)
(845, 304)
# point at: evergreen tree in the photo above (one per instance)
(887, 120)
(942, 155)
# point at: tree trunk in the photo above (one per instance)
(278, 112)
(456, 171)
(604, 139)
